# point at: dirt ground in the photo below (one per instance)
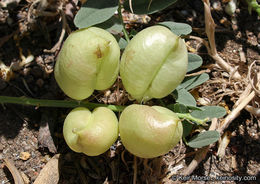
(24, 131)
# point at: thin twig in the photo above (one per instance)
(63, 31)
(31, 9)
(245, 93)
(145, 162)
(135, 171)
(122, 22)
(201, 154)
(197, 73)
(15, 173)
(123, 159)
(210, 31)
(235, 112)
(131, 6)
(251, 80)
(253, 110)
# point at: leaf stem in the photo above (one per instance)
(122, 21)
(188, 116)
(73, 103)
(56, 103)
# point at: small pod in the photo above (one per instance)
(88, 60)
(149, 132)
(90, 133)
(153, 64)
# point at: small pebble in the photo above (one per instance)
(24, 156)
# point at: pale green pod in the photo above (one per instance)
(88, 61)
(153, 64)
(149, 132)
(90, 133)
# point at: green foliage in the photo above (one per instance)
(113, 25)
(182, 96)
(204, 139)
(253, 5)
(122, 43)
(195, 61)
(187, 127)
(180, 108)
(95, 12)
(100, 13)
(209, 112)
(177, 28)
(148, 6)
(193, 81)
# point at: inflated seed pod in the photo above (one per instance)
(90, 133)
(153, 64)
(149, 132)
(88, 60)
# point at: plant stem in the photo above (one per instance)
(56, 103)
(188, 116)
(122, 21)
(73, 103)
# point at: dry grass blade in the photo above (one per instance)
(149, 5)
(210, 31)
(253, 110)
(223, 143)
(63, 31)
(201, 154)
(235, 112)
(210, 27)
(131, 6)
(255, 82)
(15, 173)
(135, 170)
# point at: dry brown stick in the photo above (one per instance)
(210, 27)
(63, 31)
(251, 80)
(210, 31)
(253, 110)
(15, 173)
(211, 47)
(243, 95)
(135, 171)
(123, 159)
(201, 154)
(146, 166)
(197, 73)
(235, 112)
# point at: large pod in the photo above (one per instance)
(149, 132)
(90, 133)
(153, 64)
(88, 60)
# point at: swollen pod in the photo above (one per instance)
(149, 132)
(153, 64)
(88, 61)
(91, 133)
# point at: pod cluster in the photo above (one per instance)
(152, 65)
